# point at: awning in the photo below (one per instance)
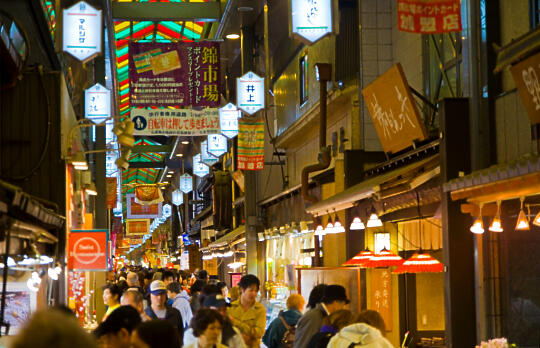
(228, 238)
(520, 177)
(377, 185)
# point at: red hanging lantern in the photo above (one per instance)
(420, 263)
(360, 258)
(384, 258)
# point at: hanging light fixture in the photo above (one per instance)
(536, 220)
(338, 227)
(522, 223)
(360, 258)
(374, 220)
(357, 224)
(329, 226)
(384, 258)
(319, 230)
(496, 225)
(478, 224)
(420, 263)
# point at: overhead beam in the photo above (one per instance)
(150, 148)
(171, 164)
(167, 11)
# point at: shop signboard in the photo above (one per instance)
(381, 294)
(137, 227)
(199, 168)
(139, 211)
(393, 111)
(167, 211)
(526, 75)
(311, 20)
(111, 192)
(250, 93)
(82, 31)
(228, 120)
(429, 16)
(217, 144)
(177, 197)
(97, 103)
(177, 74)
(87, 250)
(175, 122)
(186, 183)
(251, 144)
(206, 157)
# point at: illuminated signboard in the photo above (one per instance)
(228, 119)
(97, 103)
(82, 31)
(177, 197)
(207, 158)
(311, 19)
(199, 168)
(186, 183)
(217, 144)
(250, 93)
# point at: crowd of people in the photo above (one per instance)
(170, 309)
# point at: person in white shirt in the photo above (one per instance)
(180, 300)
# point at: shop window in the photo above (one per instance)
(382, 241)
(430, 301)
(303, 80)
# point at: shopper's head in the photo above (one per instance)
(223, 288)
(316, 295)
(168, 277)
(173, 289)
(155, 334)
(334, 298)
(207, 325)
(296, 301)
(132, 279)
(53, 328)
(372, 318)
(203, 275)
(158, 294)
(207, 290)
(111, 294)
(216, 302)
(339, 319)
(115, 331)
(134, 299)
(249, 287)
(197, 286)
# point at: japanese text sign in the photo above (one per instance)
(185, 122)
(250, 92)
(251, 144)
(177, 197)
(228, 119)
(311, 19)
(136, 210)
(82, 31)
(207, 158)
(526, 75)
(429, 16)
(199, 168)
(381, 294)
(97, 103)
(137, 227)
(111, 185)
(186, 183)
(393, 111)
(217, 144)
(87, 250)
(174, 74)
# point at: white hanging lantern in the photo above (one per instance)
(177, 197)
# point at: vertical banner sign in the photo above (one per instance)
(111, 192)
(157, 75)
(311, 20)
(97, 103)
(250, 93)
(82, 31)
(228, 119)
(204, 74)
(199, 168)
(381, 294)
(525, 74)
(87, 250)
(251, 144)
(206, 157)
(186, 183)
(429, 16)
(217, 144)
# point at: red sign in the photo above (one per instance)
(250, 144)
(87, 250)
(429, 16)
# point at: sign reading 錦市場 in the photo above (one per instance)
(311, 20)
(82, 31)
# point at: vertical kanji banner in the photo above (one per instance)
(251, 144)
(429, 16)
(111, 192)
(204, 74)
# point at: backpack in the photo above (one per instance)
(288, 336)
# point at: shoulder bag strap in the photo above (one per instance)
(287, 326)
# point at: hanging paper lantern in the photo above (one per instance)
(360, 259)
(384, 258)
(177, 197)
(420, 263)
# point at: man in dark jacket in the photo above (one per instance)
(158, 310)
(273, 337)
(334, 298)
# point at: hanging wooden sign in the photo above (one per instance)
(526, 75)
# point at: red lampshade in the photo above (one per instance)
(420, 263)
(384, 258)
(360, 258)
